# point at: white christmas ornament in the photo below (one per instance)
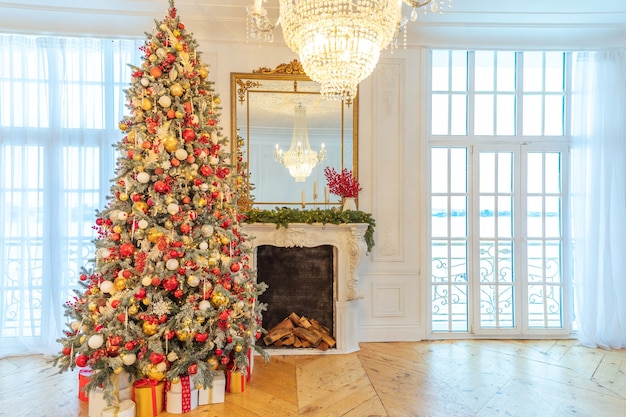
(143, 224)
(203, 246)
(95, 341)
(165, 101)
(172, 264)
(145, 82)
(145, 281)
(207, 230)
(129, 358)
(204, 305)
(180, 154)
(193, 281)
(106, 286)
(122, 215)
(143, 177)
(172, 208)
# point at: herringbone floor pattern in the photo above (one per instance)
(426, 379)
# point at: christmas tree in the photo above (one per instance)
(171, 291)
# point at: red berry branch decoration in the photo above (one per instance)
(342, 184)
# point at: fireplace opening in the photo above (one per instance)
(300, 280)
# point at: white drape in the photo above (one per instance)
(60, 102)
(599, 197)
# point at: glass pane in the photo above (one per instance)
(505, 217)
(458, 114)
(458, 307)
(439, 170)
(440, 265)
(487, 172)
(439, 114)
(458, 216)
(553, 262)
(483, 114)
(506, 71)
(554, 116)
(459, 71)
(439, 217)
(533, 111)
(458, 261)
(484, 71)
(535, 173)
(554, 71)
(535, 263)
(553, 172)
(458, 168)
(533, 72)
(505, 121)
(505, 261)
(487, 219)
(505, 172)
(535, 217)
(553, 217)
(488, 306)
(440, 65)
(505, 307)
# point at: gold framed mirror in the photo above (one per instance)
(264, 109)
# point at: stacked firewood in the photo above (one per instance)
(299, 332)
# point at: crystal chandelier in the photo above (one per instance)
(338, 41)
(300, 159)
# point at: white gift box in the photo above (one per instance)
(215, 394)
(181, 397)
(97, 403)
(126, 408)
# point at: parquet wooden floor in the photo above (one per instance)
(427, 379)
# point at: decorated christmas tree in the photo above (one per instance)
(171, 291)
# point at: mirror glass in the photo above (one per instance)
(263, 107)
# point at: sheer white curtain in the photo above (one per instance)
(60, 100)
(599, 192)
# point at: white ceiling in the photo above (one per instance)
(545, 23)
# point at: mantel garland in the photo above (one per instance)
(283, 216)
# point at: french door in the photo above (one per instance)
(497, 233)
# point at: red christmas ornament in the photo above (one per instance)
(193, 369)
(156, 358)
(127, 249)
(206, 170)
(81, 361)
(185, 228)
(201, 337)
(66, 350)
(161, 187)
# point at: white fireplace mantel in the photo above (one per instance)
(349, 247)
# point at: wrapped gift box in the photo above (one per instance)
(214, 394)
(84, 376)
(97, 403)
(149, 396)
(235, 381)
(180, 396)
(126, 408)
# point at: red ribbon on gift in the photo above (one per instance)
(186, 397)
(152, 383)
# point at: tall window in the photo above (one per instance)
(498, 154)
(61, 101)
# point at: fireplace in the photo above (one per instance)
(300, 280)
(347, 245)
